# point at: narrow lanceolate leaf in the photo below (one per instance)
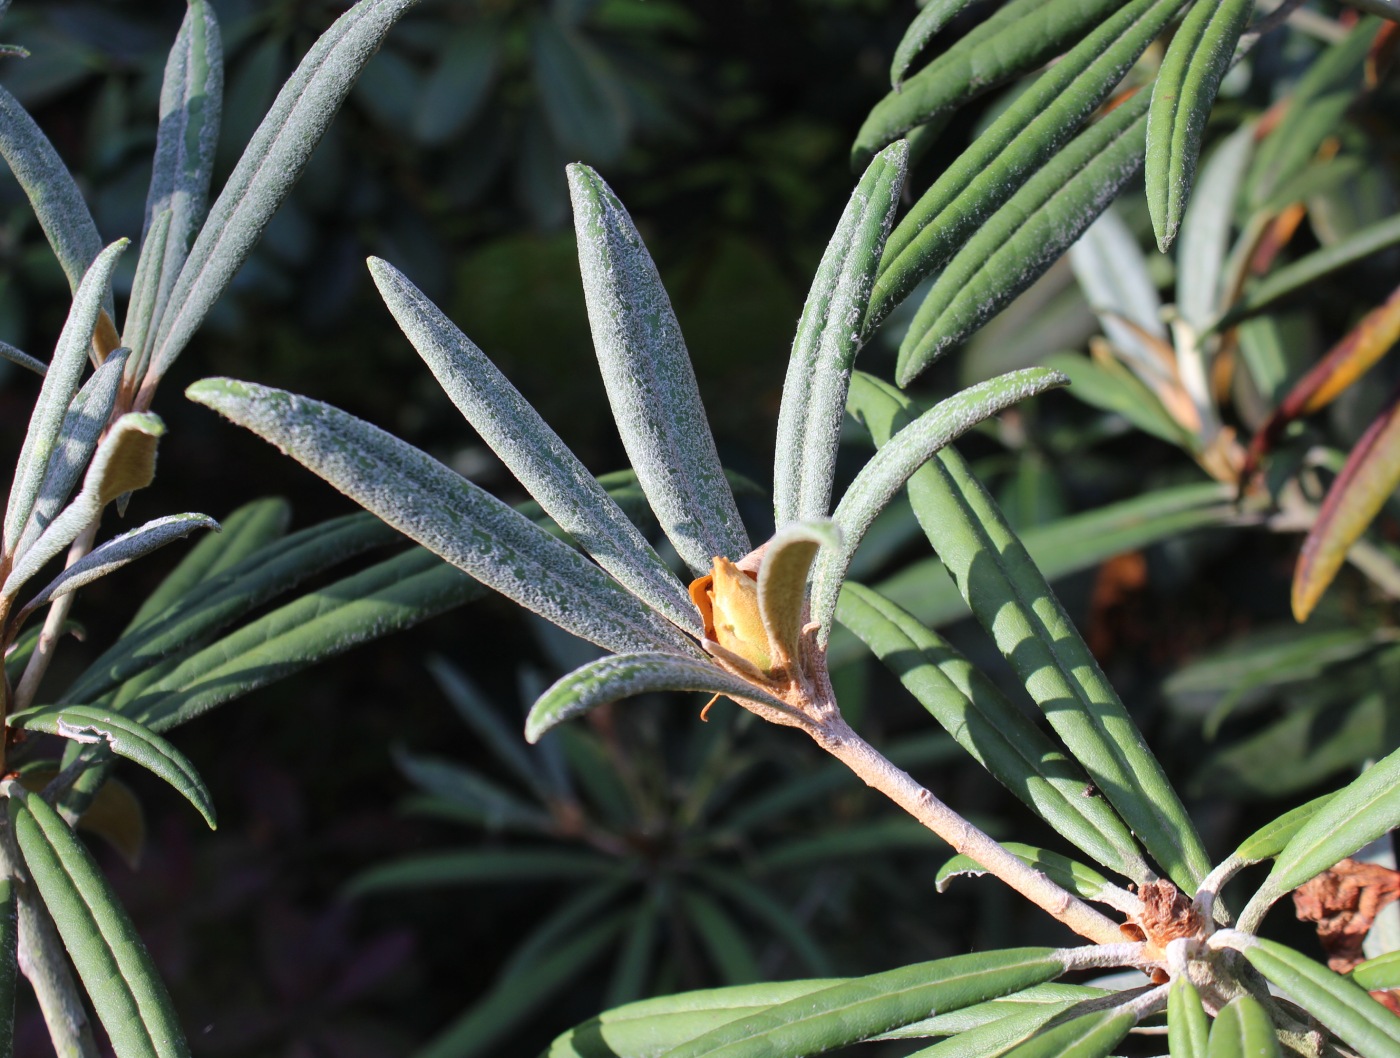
(190, 100)
(1344, 1007)
(1381, 972)
(120, 550)
(1105, 383)
(624, 675)
(1291, 278)
(491, 867)
(500, 736)
(931, 18)
(1084, 882)
(118, 974)
(655, 1026)
(9, 963)
(1272, 838)
(1015, 246)
(866, 1006)
(77, 439)
(395, 594)
(192, 617)
(1066, 546)
(57, 202)
(650, 383)
(246, 530)
(1030, 132)
(881, 478)
(588, 116)
(1090, 1036)
(1020, 37)
(828, 337)
(138, 327)
(723, 942)
(1112, 271)
(59, 388)
(1366, 482)
(1337, 371)
(1013, 602)
(1315, 109)
(461, 794)
(997, 733)
(1242, 1030)
(1349, 359)
(125, 461)
(125, 738)
(269, 166)
(782, 584)
(533, 452)
(770, 910)
(1018, 1023)
(1358, 813)
(1187, 1028)
(448, 515)
(1182, 96)
(1205, 229)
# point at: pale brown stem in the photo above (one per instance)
(835, 736)
(53, 627)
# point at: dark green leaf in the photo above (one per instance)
(1315, 109)
(866, 1006)
(1016, 606)
(654, 1026)
(1187, 1028)
(1335, 1001)
(439, 869)
(118, 974)
(828, 338)
(1182, 96)
(1243, 1030)
(392, 595)
(1025, 137)
(1016, 39)
(1015, 246)
(1074, 877)
(988, 726)
(125, 738)
(228, 585)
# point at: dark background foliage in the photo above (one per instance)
(725, 127)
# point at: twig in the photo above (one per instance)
(835, 736)
(53, 627)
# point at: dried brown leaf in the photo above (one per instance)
(1344, 901)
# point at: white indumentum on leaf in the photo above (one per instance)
(534, 453)
(650, 382)
(449, 516)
